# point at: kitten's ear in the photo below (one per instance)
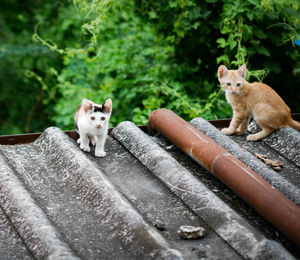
(107, 105)
(222, 71)
(242, 71)
(86, 104)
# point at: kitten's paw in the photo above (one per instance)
(100, 154)
(239, 132)
(227, 131)
(85, 148)
(253, 138)
(78, 141)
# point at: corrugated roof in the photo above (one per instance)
(58, 202)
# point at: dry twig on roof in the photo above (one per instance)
(276, 165)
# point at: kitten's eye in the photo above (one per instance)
(103, 118)
(238, 84)
(92, 118)
(228, 84)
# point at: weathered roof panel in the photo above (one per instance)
(244, 151)
(60, 202)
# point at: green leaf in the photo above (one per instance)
(250, 16)
(153, 15)
(222, 43)
(263, 50)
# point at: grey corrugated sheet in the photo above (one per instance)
(58, 202)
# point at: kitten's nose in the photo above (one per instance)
(98, 126)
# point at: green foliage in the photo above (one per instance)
(126, 60)
(144, 54)
(25, 103)
(232, 32)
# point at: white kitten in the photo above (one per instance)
(91, 122)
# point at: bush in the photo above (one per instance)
(208, 33)
(144, 54)
(27, 83)
(128, 61)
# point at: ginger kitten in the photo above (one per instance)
(91, 122)
(253, 100)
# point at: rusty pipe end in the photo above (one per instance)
(152, 118)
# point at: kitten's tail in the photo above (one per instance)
(295, 124)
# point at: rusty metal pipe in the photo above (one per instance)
(257, 192)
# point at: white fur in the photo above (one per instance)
(88, 130)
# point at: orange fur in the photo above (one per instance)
(256, 100)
